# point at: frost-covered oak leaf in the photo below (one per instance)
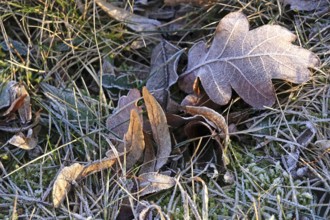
(246, 60)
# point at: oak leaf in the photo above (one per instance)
(246, 60)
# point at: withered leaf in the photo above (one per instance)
(76, 171)
(134, 139)
(25, 112)
(210, 115)
(154, 182)
(62, 184)
(149, 157)
(97, 166)
(247, 61)
(215, 119)
(24, 142)
(159, 128)
(164, 61)
(6, 90)
(118, 121)
(15, 105)
(306, 5)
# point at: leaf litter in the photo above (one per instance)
(237, 65)
(203, 63)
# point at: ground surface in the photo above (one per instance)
(279, 156)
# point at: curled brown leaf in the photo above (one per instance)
(159, 127)
(216, 119)
(63, 182)
(134, 139)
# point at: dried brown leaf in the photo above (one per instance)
(75, 172)
(6, 93)
(134, 139)
(118, 121)
(15, 105)
(97, 166)
(62, 184)
(154, 182)
(247, 61)
(149, 157)
(164, 62)
(159, 128)
(28, 142)
(25, 112)
(215, 119)
(14, 129)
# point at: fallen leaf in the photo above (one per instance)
(25, 112)
(62, 184)
(15, 105)
(154, 182)
(218, 121)
(215, 119)
(75, 172)
(97, 166)
(15, 129)
(134, 139)
(28, 142)
(306, 5)
(164, 62)
(149, 157)
(146, 211)
(247, 61)
(6, 90)
(207, 147)
(118, 121)
(159, 128)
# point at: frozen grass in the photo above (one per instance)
(67, 41)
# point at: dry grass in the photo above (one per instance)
(65, 45)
